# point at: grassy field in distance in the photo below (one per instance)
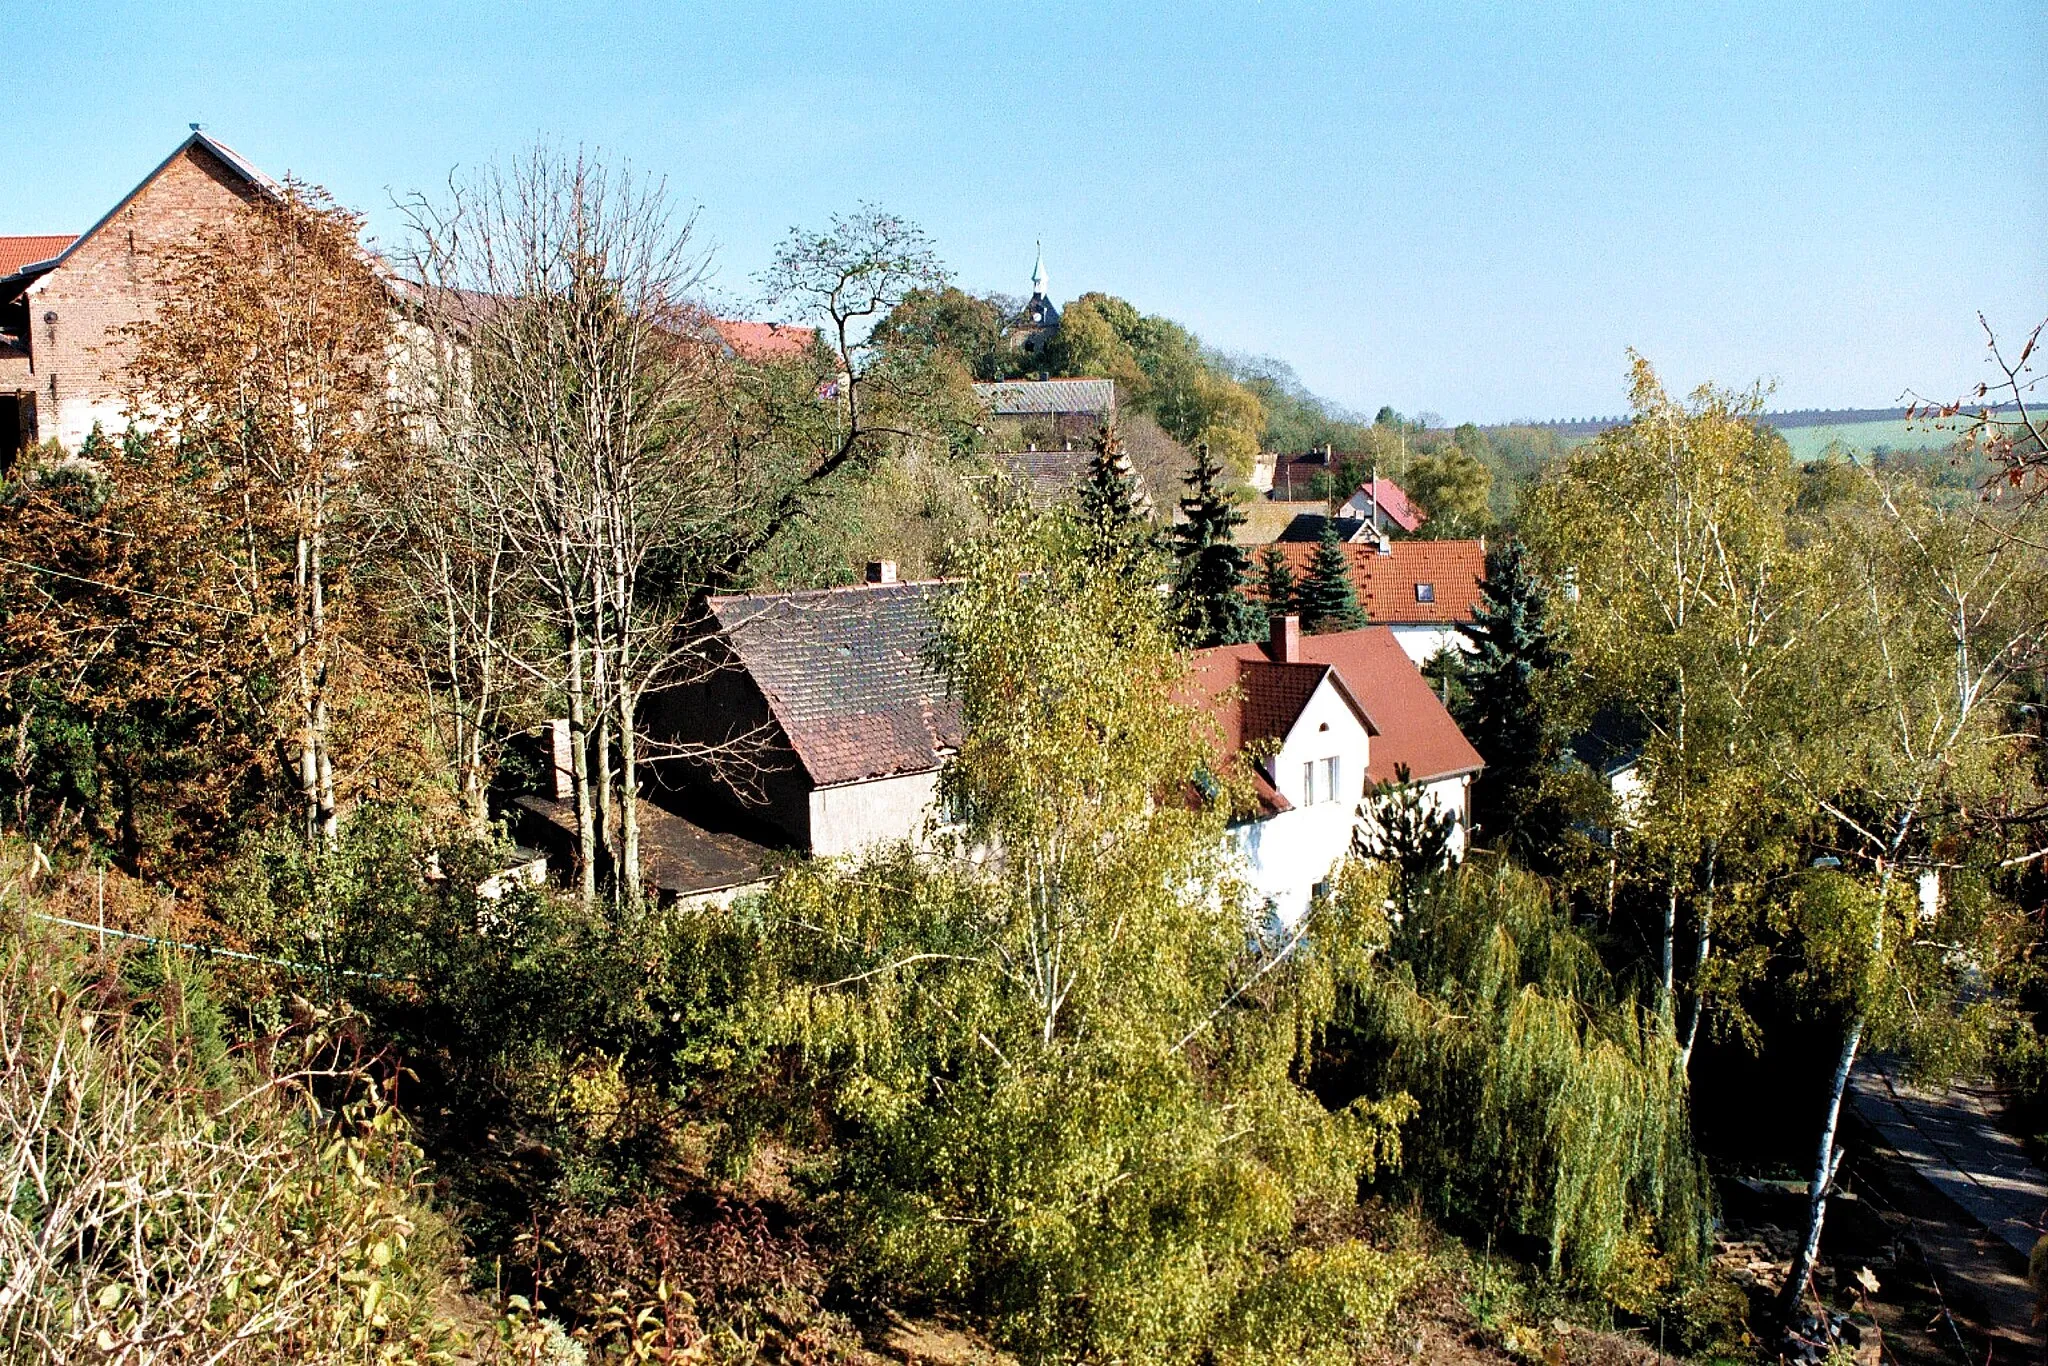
(1808, 443)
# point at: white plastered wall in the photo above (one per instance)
(1420, 640)
(1286, 855)
(851, 817)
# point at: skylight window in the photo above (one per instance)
(1425, 592)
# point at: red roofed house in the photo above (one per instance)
(1332, 714)
(1421, 590)
(1382, 506)
(760, 342)
(64, 300)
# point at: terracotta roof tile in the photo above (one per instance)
(1408, 724)
(16, 252)
(1388, 584)
(764, 341)
(843, 672)
(1395, 502)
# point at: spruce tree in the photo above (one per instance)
(1503, 712)
(1115, 510)
(1278, 579)
(1327, 599)
(1112, 496)
(1209, 599)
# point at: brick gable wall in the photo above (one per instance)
(111, 281)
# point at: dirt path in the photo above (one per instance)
(1959, 1201)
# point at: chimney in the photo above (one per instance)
(881, 571)
(1385, 543)
(562, 756)
(1283, 639)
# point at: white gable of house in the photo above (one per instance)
(1286, 855)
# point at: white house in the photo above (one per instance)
(1381, 506)
(1321, 718)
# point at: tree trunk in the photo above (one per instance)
(329, 812)
(603, 782)
(631, 888)
(1826, 1162)
(579, 768)
(1703, 948)
(302, 645)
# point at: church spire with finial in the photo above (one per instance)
(1038, 275)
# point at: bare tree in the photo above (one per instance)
(865, 398)
(458, 572)
(2001, 416)
(591, 508)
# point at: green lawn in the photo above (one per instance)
(1865, 437)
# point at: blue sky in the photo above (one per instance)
(1448, 207)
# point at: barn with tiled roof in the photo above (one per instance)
(828, 727)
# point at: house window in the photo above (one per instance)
(1425, 592)
(1319, 781)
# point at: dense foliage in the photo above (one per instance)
(1326, 597)
(1503, 710)
(1209, 584)
(1041, 1068)
(1548, 1107)
(175, 1195)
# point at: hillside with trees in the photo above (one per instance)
(299, 1067)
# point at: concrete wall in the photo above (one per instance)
(77, 311)
(850, 817)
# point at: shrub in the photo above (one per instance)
(1550, 1108)
(172, 1200)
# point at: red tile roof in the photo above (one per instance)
(1387, 583)
(1394, 501)
(1409, 726)
(16, 252)
(843, 672)
(764, 341)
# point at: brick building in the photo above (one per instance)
(65, 300)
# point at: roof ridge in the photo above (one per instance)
(227, 155)
(822, 592)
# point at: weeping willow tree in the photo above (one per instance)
(1060, 1077)
(1550, 1108)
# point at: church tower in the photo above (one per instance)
(1041, 320)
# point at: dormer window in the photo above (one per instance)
(1425, 592)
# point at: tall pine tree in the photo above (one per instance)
(1115, 510)
(1327, 599)
(1503, 712)
(1277, 578)
(1209, 599)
